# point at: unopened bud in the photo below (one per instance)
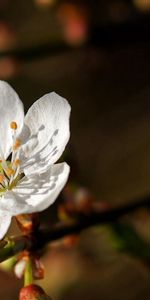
(37, 268)
(33, 292)
(28, 222)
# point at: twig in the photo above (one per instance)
(44, 236)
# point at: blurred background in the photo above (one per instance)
(97, 55)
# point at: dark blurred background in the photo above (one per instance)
(97, 55)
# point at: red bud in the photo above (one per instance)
(33, 292)
(28, 223)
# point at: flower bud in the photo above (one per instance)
(33, 292)
(28, 223)
(37, 268)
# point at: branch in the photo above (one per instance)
(15, 245)
(35, 52)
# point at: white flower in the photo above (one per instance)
(29, 147)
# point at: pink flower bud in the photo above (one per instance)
(33, 292)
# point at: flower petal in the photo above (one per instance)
(11, 110)
(20, 268)
(36, 193)
(10, 203)
(5, 220)
(45, 134)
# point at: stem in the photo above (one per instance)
(28, 275)
(12, 246)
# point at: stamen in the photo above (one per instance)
(13, 178)
(10, 172)
(17, 144)
(16, 162)
(13, 125)
(2, 178)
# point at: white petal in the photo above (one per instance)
(11, 109)
(45, 134)
(36, 193)
(5, 220)
(11, 204)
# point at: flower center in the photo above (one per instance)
(10, 169)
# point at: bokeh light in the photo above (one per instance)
(7, 37)
(74, 21)
(45, 3)
(9, 68)
(143, 5)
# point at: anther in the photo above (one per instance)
(2, 177)
(13, 125)
(17, 144)
(10, 171)
(16, 162)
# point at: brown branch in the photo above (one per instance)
(42, 237)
